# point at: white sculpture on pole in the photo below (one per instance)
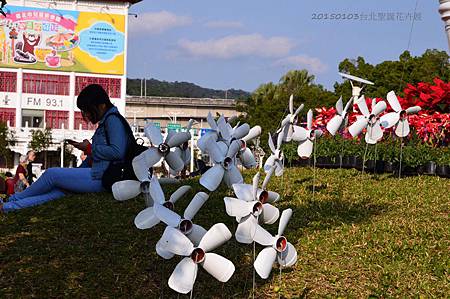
(444, 10)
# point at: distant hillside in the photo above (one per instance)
(181, 89)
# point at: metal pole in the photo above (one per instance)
(62, 154)
(444, 10)
(145, 88)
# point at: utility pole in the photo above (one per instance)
(444, 10)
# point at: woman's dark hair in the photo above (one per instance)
(8, 174)
(89, 100)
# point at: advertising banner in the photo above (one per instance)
(62, 40)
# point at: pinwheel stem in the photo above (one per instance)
(314, 168)
(364, 158)
(376, 158)
(279, 284)
(254, 274)
(279, 278)
(401, 157)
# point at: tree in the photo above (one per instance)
(7, 139)
(268, 104)
(395, 75)
(295, 80)
(41, 141)
(181, 89)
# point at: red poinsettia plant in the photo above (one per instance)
(434, 98)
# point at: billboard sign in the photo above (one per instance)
(62, 40)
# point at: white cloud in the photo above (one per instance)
(233, 46)
(157, 22)
(224, 24)
(303, 61)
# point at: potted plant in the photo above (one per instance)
(412, 158)
(443, 163)
(430, 156)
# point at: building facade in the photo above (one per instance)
(168, 112)
(51, 50)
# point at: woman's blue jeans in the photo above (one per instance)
(53, 184)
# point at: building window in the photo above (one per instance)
(84, 124)
(8, 81)
(32, 118)
(8, 114)
(55, 119)
(111, 85)
(46, 84)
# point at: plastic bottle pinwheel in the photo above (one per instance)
(369, 120)
(228, 134)
(127, 189)
(276, 158)
(184, 224)
(339, 121)
(252, 206)
(278, 248)
(398, 118)
(213, 132)
(306, 137)
(161, 149)
(184, 275)
(147, 218)
(183, 150)
(288, 122)
(244, 134)
(224, 165)
(245, 154)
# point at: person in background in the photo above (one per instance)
(9, 184)
(95, 106)
(19, 181)
(31, 155)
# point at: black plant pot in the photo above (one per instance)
(349, 161)
(369, 166)
(304, 162)
(346, 163)
(420, 169)
(389, 167)
(358, 163)
(408, 170)
(379, 166)
(338, 162)
(429, 168)
(443, 171)
(323, 162)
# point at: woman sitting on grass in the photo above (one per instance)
(95, 106)
(19, 182)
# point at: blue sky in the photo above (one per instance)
(242, 44)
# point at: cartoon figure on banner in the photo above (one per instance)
(30, 41)
(24, 50)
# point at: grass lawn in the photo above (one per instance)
(359, 236)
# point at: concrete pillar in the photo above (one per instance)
(19, 86)
(73, 98)
(444, 10)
